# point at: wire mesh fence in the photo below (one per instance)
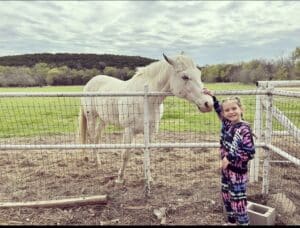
(185, 179)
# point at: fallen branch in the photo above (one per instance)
(101, 199)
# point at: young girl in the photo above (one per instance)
(236, 149)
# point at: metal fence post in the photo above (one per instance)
(268, 139)
(146, 141)
(258, 119)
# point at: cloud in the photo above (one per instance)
(212, 31)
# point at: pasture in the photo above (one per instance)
(185, 180)
(46, 109)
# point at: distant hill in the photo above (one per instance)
(77, 61)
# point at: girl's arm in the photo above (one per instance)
(217, 105)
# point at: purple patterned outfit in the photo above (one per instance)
(237, 145)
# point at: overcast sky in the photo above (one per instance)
(209, 31)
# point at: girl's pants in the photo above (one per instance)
(234, 196)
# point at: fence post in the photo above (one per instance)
(258, 119)
(268, 139)
(146, 141)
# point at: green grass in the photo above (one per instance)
(42, 89)
(229, 86)
(34, 116)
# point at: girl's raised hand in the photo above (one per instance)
(207, 91)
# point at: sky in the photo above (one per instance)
(211, 32)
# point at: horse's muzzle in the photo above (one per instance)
(206, 105)
(206, 108)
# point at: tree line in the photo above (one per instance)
(76, 61)
(78, 69)
(65, 69)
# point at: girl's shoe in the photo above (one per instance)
(229, 224)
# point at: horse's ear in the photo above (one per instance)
(169, 60)
(200, 68)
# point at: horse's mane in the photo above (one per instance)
(152, 68)
(153, 73)
(155, 70)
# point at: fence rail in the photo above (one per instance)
(266, 113)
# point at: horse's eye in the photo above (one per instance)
(185, 78)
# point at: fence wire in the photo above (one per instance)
(185, 181)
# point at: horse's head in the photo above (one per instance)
(186, 82)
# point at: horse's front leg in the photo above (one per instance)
(148, 177)
(127, 138)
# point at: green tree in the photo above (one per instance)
(39, 71)
(281, 73)
(210, 73)
(296, 70)
(296, 63)
(90, 73)
(111, 71)
(296, 54)
(53, 76)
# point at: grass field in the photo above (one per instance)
(33, 116)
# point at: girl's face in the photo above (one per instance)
(232, 111)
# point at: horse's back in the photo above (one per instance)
(122, 111)
(103, 83)
(92, 84)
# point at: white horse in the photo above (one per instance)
(178, 75)
(159, 116)
(91, 132)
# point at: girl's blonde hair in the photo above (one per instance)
(233, 98)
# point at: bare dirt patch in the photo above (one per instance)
(185, 183)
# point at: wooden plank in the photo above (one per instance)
(100, 199)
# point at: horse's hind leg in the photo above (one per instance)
(98, 132)
(127, 138)
(148, 176)
(91, 123)
(125, 156)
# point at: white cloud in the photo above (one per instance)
(148, 28)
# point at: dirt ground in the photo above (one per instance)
(185, 185)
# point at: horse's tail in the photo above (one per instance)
(82, 126)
